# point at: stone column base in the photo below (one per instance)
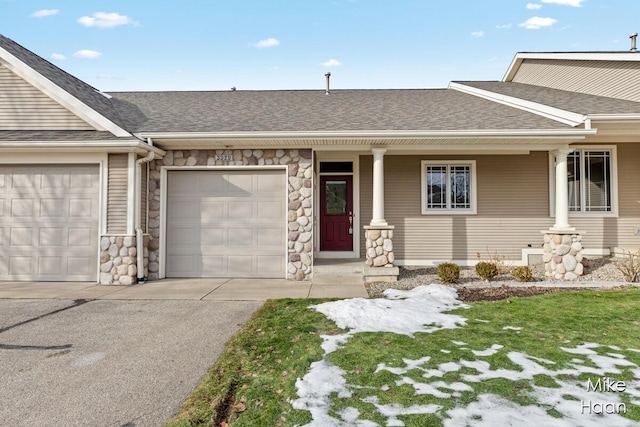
(379, 254)
(118, 260)
(563, 254)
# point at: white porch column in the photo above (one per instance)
(378, 187)
(562, 192)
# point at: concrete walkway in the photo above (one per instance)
(183, 289)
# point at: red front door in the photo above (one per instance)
(336, 213)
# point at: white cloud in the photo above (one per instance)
(270, 42)
(533, 6)
(572, 3)
(331, 63)
(58, 57)
(109, 76)
(537, 22)
(87, 53)
(504, 26)
(477, 33)
(44, 12)
(106, 20)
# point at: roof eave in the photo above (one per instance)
(64, 98)
(129, 146)
(575, 56)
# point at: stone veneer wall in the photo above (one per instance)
(300, 198)
(562, 256)
(118, 260)
(379, 246)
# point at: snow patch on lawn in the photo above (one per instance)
(424, 309)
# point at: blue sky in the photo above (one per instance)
(290, 44)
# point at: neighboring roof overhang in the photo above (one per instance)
(465, 140)
(126, 146)
(64, 98)
(573, 56)
(557, 114)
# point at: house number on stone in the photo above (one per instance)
(223, 157)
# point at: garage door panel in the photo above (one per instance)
(211, 210)
(50, 266)
(213, 265)
(269, 236)
(230, 223)
(240, 237)
(21, 236)
(22, 208)
(21, 266)
(51, 216)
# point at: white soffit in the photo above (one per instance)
(59, 95)
(557, 114)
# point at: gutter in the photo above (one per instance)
(138, 220)
(109, 146)
(223, 137)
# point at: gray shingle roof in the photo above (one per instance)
(309, 110)
(57, 135)
(76, 87)
(570, 101)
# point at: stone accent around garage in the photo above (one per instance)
(379, 254)
(299, 201)
(563, 255)
(118, 260)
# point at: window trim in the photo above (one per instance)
(614, 183)
(473, 187)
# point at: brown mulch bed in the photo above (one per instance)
(505, 292)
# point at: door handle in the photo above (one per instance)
(350, 222)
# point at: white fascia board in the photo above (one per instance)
(572, 56)
(78, 146)
(227, 137)
(61, 96)
(562, 116)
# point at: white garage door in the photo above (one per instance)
(49, 222)
(226, 224)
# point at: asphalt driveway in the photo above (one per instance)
(107, 362)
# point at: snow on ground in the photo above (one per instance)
(424, 309)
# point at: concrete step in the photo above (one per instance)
(331, 279)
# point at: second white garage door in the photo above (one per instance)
(49, 222)
(226, 223)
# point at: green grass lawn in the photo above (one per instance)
(534, 355)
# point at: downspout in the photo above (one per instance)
(139, 234)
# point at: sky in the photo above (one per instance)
(426, 309)
(119, 45)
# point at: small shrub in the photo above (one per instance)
(629, 266)
(522, 274)
(486, 270)
(500, 261)
(449, 272)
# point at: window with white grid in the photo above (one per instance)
(448, 187)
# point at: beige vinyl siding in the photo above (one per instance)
(117, 194)
(513, 207)
(144, 196)
(605, 78)
(23, 107)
